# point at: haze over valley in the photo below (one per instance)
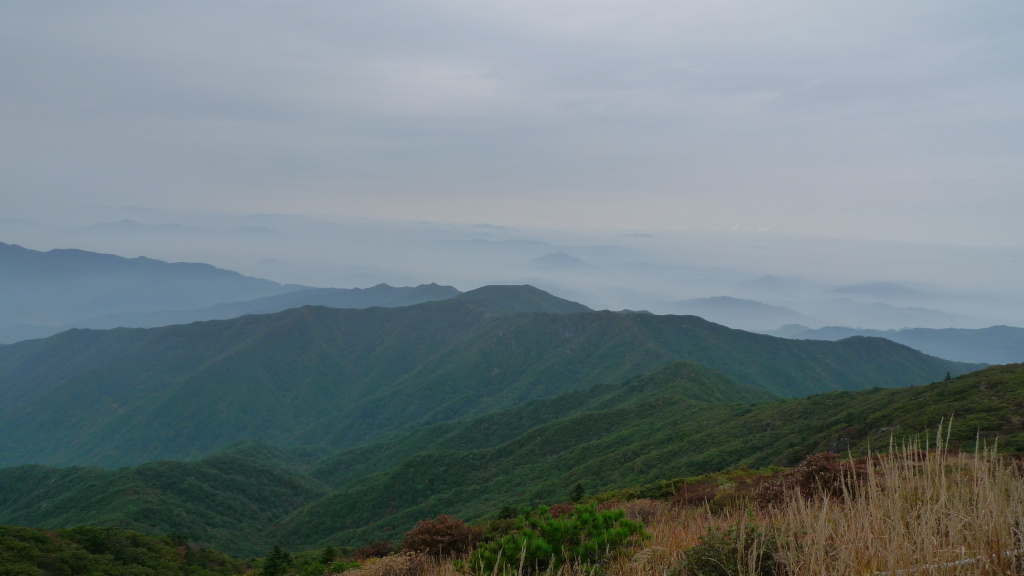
(751, 280)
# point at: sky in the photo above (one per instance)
(800, 125)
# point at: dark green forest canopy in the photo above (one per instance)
(343, 378)
(107, 552)
(681, 421)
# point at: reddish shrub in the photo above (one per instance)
(771, 492)
(407, 564)
(697, 494)
(822, 474)
(557, 510)
(444, 536)
(378, 549)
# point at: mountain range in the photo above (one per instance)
(740, 313)
(993, 345)
(342, 377)
(44, 291)
(48, 292)
(242, 413)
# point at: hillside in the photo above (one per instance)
(226, 501)
(993, 345)
(339, 378)
(107, 551)
(683, 420)
(651, 437)
(44, 292)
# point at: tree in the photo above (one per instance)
(578, 492)
(328, 555)
(538, 540)
(276, 562)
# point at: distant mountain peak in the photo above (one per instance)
(510, 299)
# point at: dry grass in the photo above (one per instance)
(919, 512)
(915, 511)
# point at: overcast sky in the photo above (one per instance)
(881, 119)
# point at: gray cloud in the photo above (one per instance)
(871, 120)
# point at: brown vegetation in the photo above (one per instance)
(912, 511)
(378, 549)
(442, 537)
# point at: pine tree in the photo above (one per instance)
(578, 492)
(328, 555)
(277, 562)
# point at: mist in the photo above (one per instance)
(823, 281)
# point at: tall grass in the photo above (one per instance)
(919, 509)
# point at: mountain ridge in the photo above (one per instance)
(47, 290)
(343, 377)
(992, 345)
(380, 295)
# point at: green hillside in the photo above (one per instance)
(683, 420)
(683, 379)
(106, 552)
(227, 501)
(657, 436)
(341, 378)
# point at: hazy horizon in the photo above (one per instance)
(831, 281)
(669, 151)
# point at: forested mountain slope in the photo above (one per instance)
(108, 552)
(338, 378)
(658, 434)
(679, 421)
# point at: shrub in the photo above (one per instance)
(584, 536)
(444, 536)
(405, 564)
(819, 475)
(745, 549)
(559, 510)
(697, 494)
(644, 511)
(378, 549)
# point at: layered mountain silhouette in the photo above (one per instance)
(379, 295)
(993, 345)
(48, 292)
(43, 292)
(343, 377)
(740, 313)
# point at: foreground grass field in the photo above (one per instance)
(919, 509)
